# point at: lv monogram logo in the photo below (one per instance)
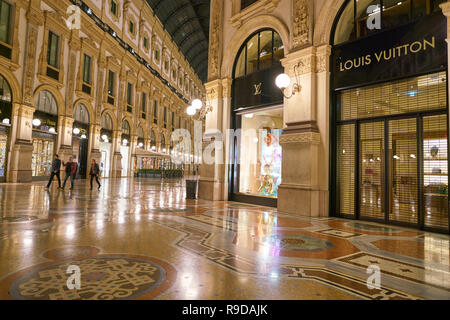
(257, 89)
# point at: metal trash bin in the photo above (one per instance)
(191, 189)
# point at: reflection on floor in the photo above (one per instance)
(140, 239)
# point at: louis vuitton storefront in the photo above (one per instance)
(257, 111)
(390, 116)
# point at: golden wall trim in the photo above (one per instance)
(304, 137)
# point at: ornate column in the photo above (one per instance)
(21, 151)
(132, 154)
(65, 125)
(116, 167)
(303, 190)
(213, 182)
(94, 143)
(22, 147)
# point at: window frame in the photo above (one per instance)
(89, 73)
(9, 24)
(58, 50)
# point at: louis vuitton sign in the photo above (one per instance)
(416, 48)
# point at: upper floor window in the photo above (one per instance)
(166, 65)
(173, 119)
(262, 50)
(144, 105)
(155, 112)
(145, 43)
(246, 3)
(129, 98)
(5, 22)
(131, 27)
(157, 55)
(165, 117)
(87, 69)
(53, 50)
(352, 22)
(111, 83)
(114, 7)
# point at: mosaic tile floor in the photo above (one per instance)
(140, 239)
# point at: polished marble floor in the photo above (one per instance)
(140, 239)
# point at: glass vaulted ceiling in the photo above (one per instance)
(187, 21)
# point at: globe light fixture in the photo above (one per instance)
(104, 137)
(164, 150)
(83, 136)
(140, 144)
(124, 142)
(36, 122)
(283, 81)
(153, 148)
(52, 130)
(191, 111)
(6, 121)
(197, 104)
(76, 131)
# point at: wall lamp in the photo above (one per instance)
(283, 81)
(198, 106)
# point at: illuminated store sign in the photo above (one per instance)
(416, 48)
(389, 54)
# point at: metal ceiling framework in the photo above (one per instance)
(187, 21)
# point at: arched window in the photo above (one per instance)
(5, 91)
(5, 101)
(153, 138)
(140, 132)
(107, 122)
(352, 20)
(262, 50)
(125, 127)
(81, 114)
(46, 102)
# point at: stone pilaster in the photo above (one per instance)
(22, 148)
(213, 183)
(302, 192)
(116, 163)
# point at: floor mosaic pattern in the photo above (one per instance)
(140, 239)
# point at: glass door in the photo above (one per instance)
(372, 166)
(403, 171)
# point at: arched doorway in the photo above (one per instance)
(105, 146)
(389, 114)
(80, 139)
(5, 124)
(44, 136)
(125, 147)
(257, 109)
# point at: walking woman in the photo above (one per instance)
(95, 170)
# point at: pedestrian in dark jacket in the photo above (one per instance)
(94, 172)
(56, 167)
(71, 171)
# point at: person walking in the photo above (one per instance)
(94, 172)
(56, 167)
(71, 172)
